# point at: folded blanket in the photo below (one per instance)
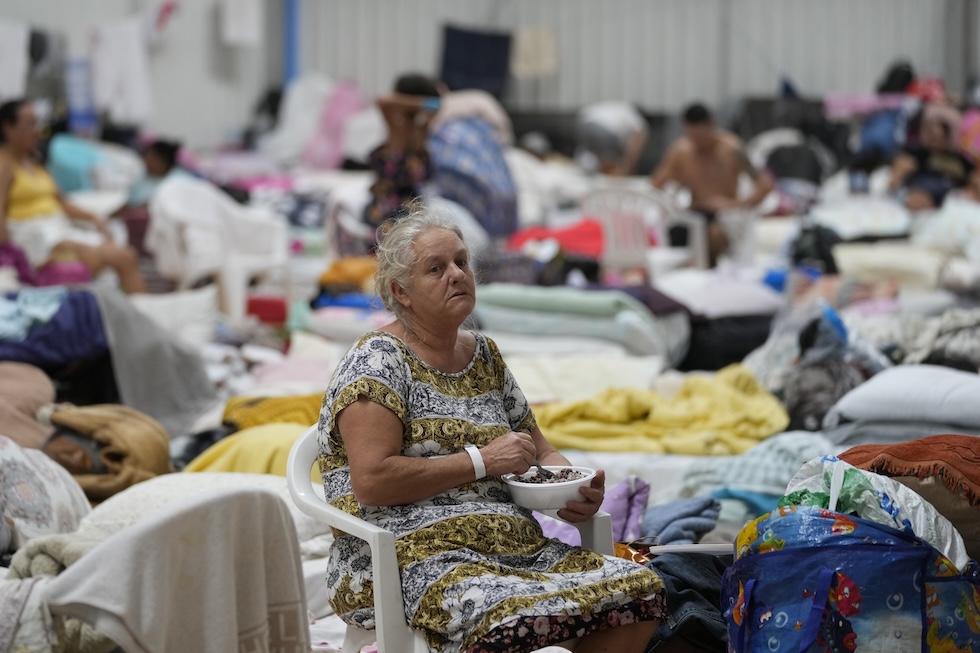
(26, 623)
(32, 568)
(765, 468)
(245, 412)
(256, 450)
(225, 575)
(13, 598)
(727, 413)
(49, 555)
(156, 372)
(571, 301)
(635, 332)
(955, 459)
(681, 522)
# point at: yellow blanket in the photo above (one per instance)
(726, 414)
(256, 450)
(246, 412)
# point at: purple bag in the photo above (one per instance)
(12, 256)
(625, 502)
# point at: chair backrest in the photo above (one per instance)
(629, 218)
(393, 632)
(298, 465)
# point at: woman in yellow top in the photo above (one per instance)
(35, 217)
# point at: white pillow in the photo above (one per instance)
(306, 345)
(713, 294)
(919, 393)
(863, 215)
(912, 266)
(191, 315)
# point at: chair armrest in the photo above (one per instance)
(314, 506)
(597, 533)
(392, 629)
(705, 548)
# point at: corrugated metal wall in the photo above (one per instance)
(658, 53)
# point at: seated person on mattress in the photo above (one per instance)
(611, 136)
(36, 217)
(708, 161)
(401, 164)
(160, 161)
(928, 171)
(419, 422)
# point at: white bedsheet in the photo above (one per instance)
(664, 473)
(544, 378)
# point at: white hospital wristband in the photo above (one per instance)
(477, 458)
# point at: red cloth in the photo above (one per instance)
(953, 458)
(583, 238)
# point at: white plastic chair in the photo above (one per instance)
(629, 215)
(393, 633)
(196, 230)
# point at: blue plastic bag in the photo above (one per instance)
(807, 579)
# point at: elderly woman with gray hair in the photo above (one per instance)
(418, 424)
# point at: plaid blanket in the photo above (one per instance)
(470, 169)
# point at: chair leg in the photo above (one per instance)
(234, 291)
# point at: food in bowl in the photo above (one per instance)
(551, 495)
(560, 476)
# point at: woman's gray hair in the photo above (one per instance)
(396, 250)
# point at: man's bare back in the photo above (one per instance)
(708, 162)
(710, 172)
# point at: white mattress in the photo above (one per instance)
(664, 473)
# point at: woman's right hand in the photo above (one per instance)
(511, 453)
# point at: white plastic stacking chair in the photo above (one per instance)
(629, 215)
(393, 633)
(196, 230)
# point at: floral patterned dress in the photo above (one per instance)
(399, 176)
(477, 572)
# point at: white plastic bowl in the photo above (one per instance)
(547, 496)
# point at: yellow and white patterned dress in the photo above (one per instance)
(475, 567)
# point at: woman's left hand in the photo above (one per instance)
(580, 511)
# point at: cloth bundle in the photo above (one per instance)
(725, 414)
(828, 482)
(130, 446)
(225, 576)
(246, 412)
(225, 573)
(953, 458)
(943, 469)
(23, 390)
(256, 450)
(683, 521)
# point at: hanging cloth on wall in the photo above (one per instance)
(14, 59)
(241, 23)
(472, 59)
(120, 71)
(535, 53)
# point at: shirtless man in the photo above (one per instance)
(708, 161)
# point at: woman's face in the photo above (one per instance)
(442, 288)
(23, 134)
